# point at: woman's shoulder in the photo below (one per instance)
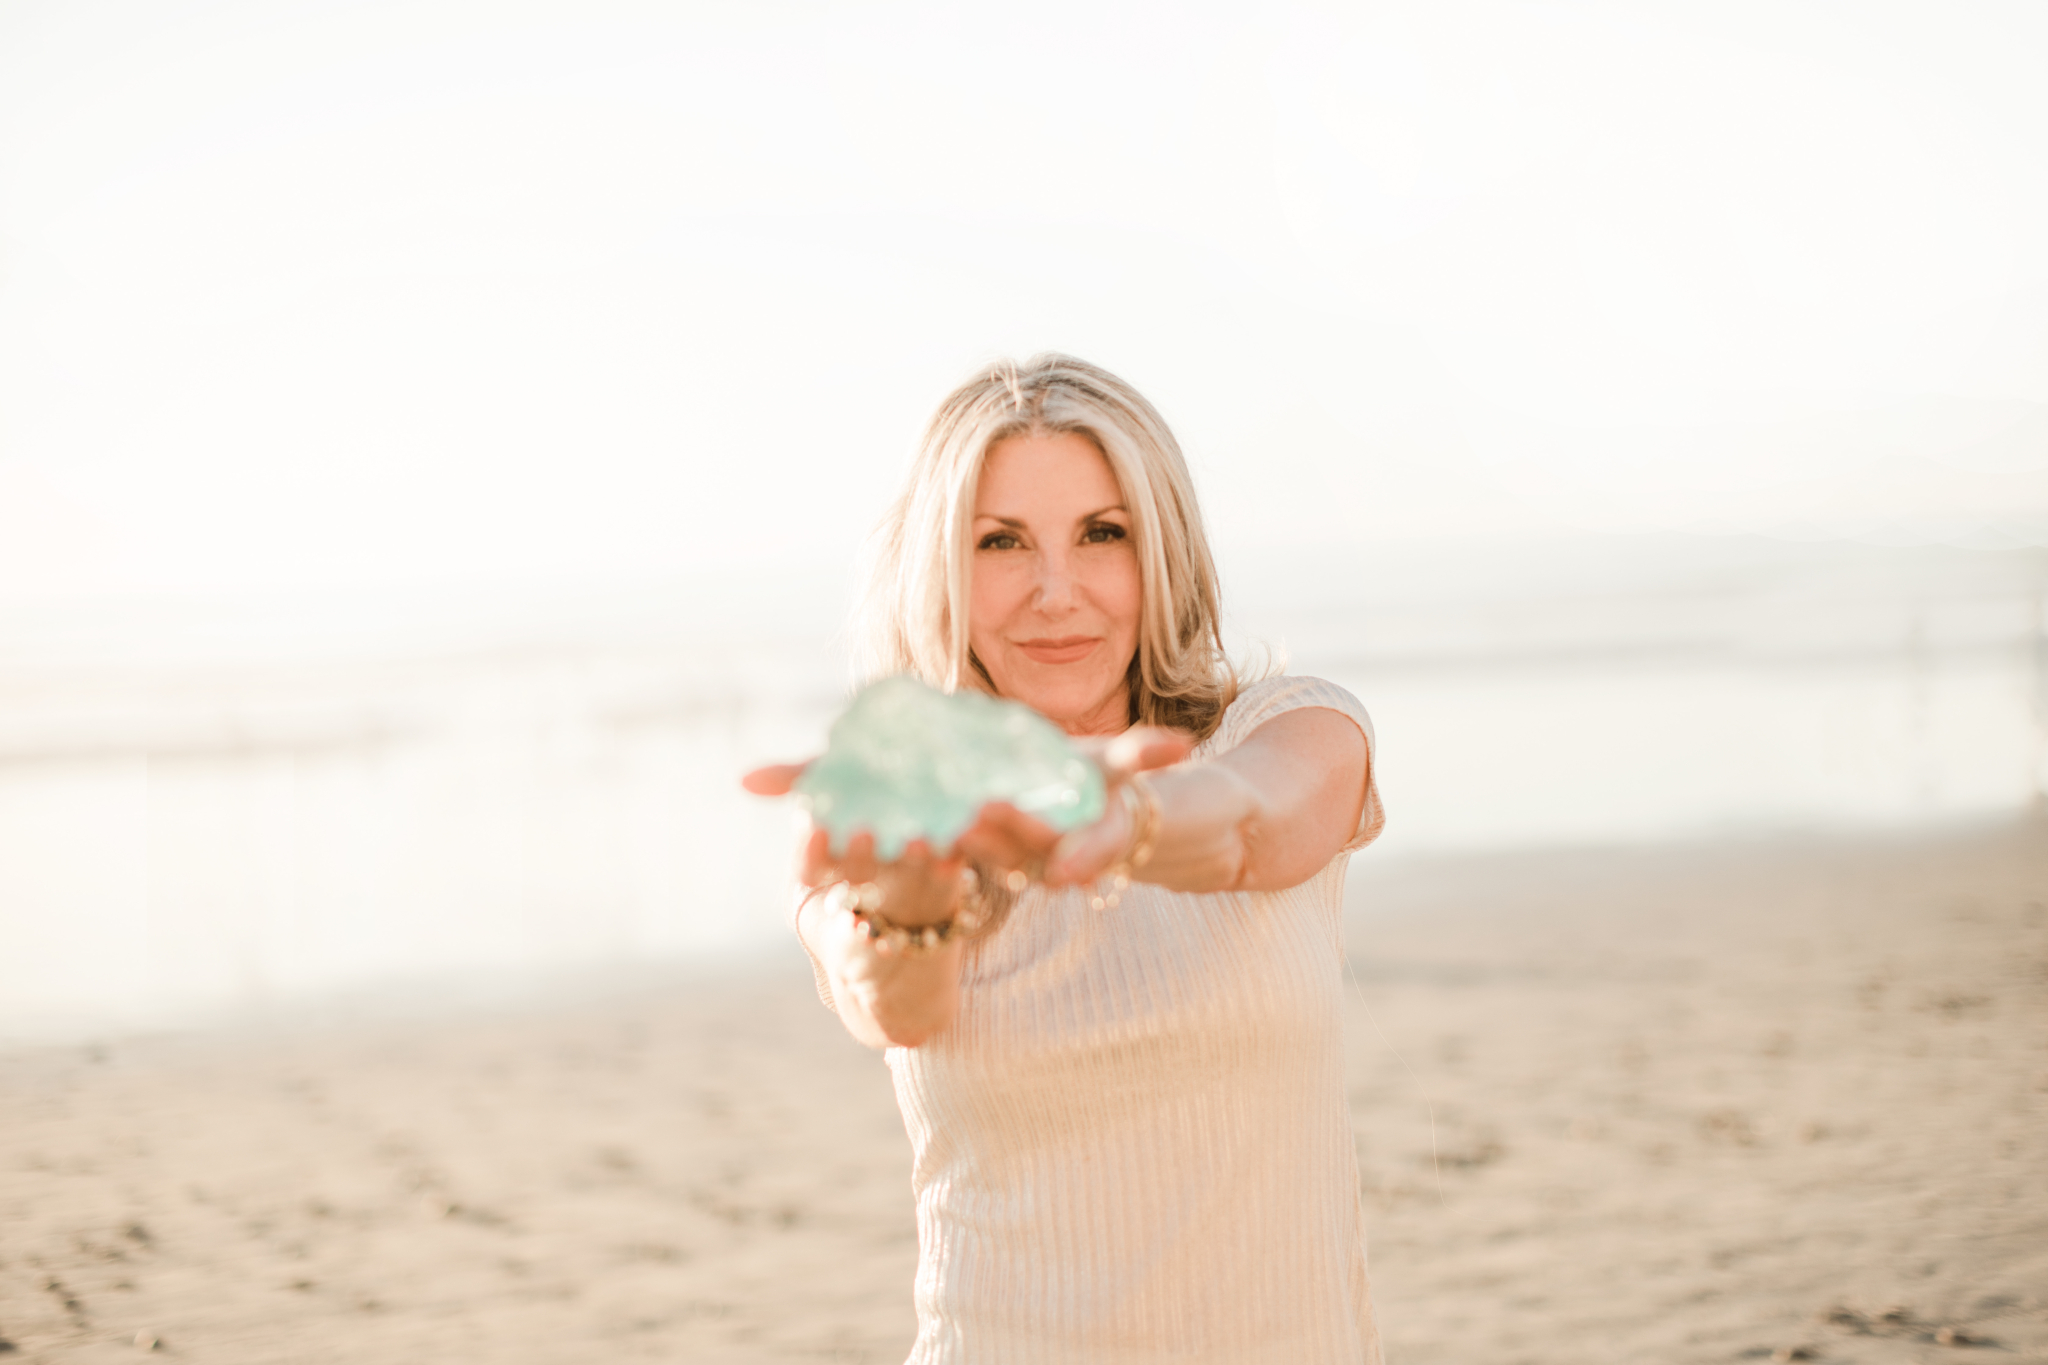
(1260, 701)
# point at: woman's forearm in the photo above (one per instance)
(900, 999)
(1202, 842)
(1267, 815)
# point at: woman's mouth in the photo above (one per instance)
(1064, 649)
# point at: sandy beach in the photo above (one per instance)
(1776, 1100)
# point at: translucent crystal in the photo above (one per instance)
(907, 761)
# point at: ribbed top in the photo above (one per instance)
(1132, 1144)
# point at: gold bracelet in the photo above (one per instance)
(864, 903)
(1141, 801)
(1145, 832)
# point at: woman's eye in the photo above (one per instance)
(998, 540)
(1101, 533)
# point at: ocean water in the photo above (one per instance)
(1624, 691)
(205, 810)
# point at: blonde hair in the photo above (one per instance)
(913, 614)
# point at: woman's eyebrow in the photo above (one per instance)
(1085, 516)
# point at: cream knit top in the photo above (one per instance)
(1132, 1143)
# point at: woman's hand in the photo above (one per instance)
(898, 999)
(1268, 814)
(918, 888)
(1008, 838)
(905, 999)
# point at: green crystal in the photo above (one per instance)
(907, 761)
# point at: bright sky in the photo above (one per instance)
(305, 294)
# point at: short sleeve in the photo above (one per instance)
(1261, 701)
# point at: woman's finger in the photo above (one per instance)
(857, 863)
(1084, 854)
(928, 862)
(1145, 747)
(774, 780)
(995, 848)
(817, 858)
(1003, 835)
(1027, 830)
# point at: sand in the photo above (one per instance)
(1783, 1100)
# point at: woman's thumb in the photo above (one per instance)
(774, 780)
(1145, 747)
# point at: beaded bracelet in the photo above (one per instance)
(864, 903)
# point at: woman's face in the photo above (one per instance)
(1053, 614)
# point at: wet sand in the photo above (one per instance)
(1710, 1104)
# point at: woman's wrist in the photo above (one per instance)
(1198, 842)
(1147, 818)
(893, 923)
(1142, 818)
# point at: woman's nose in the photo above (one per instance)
(1055, 585)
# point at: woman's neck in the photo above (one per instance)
(1108, 720)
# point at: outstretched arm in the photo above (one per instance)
(1269, 814)
(898, 998)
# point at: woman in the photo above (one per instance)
(1127, 1110)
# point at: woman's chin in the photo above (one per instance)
(1080, 709)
